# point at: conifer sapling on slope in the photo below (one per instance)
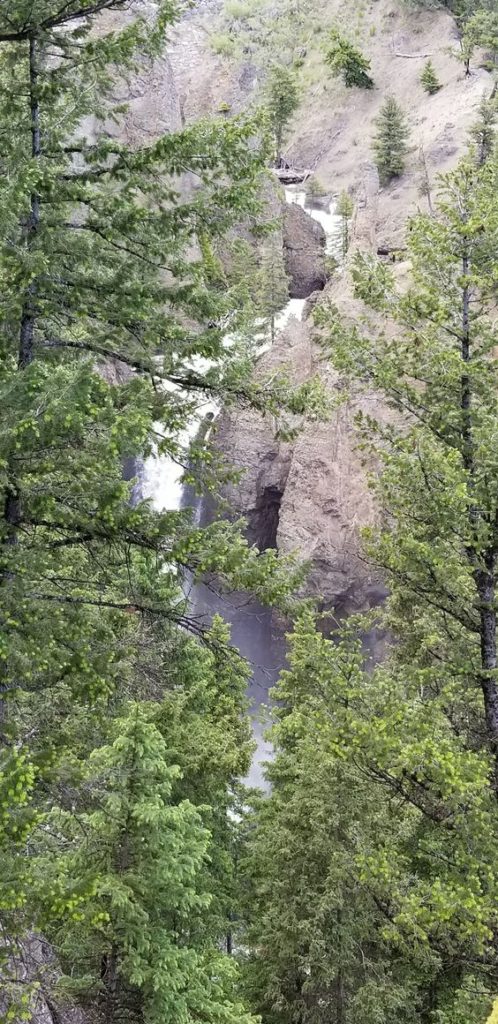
(390, 140)
(480, 32)
(483, 132)
(429, 79)
(272, 283)
(345, 209)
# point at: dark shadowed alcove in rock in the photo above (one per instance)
(263, 520)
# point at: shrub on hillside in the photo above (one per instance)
(345, 60)
(222, 44)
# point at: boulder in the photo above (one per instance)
(304, 252)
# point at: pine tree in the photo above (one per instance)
(315, 188)
(429, 78)
(282, 100)
(315, 935)
(344, 210)
(424, 726)
(344, 59)
(425, 187)
(257, 275)
(390, 141)
(480, 31)
(371, 866)
(97, 257)
(352, 872)
(272, 285)
(133, 933)
(484, 131)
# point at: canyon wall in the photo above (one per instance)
(312, 496)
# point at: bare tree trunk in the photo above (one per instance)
(484, 564)
(28, 310)
(12, 504)
(486, 589)
(340, 1007)
(12, 511)
(427, 1011)
(109, 974)
(427, 182)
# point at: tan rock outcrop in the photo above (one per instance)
(150, 94)
(310, 497)
(249, 443)
(333, 126)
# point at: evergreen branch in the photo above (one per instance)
(468, 623)
(186, 622)
(189, 380)
(62, 17)
(121, 248)
(130, 607)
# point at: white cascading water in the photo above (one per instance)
(328, 218)
(253, 631)
(161, 479)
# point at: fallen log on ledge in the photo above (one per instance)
(413, 56)
(291, 175)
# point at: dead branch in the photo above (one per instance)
(413, 56)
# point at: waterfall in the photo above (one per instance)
(253, 630)
(161, 478)
(324, 213)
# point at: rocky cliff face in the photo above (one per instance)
(312, 496)
(151, 94)
(304, 252)
(331, 131)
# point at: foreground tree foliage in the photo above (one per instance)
(122, 717)
(373, 863)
